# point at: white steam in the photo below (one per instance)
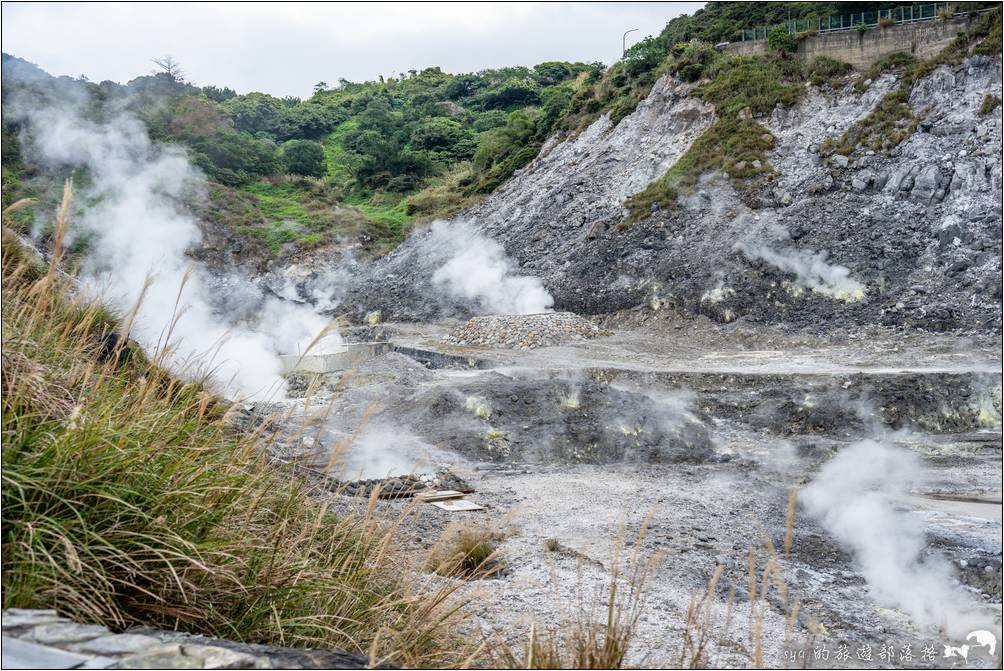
(477, 269)
(138, 225)
(860, 497)
(385, 450)
(811, 269)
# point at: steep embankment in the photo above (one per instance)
(904, 236)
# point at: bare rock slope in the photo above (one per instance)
(906, 239)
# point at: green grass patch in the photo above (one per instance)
(390, 210)
(741, 87)
(741, 82)
(823, 70)
(308, 213)
(886, 126)
(990, 103)
(444, 196)
(897, 61)
(281, 202)
(731, 145)
(339, 162)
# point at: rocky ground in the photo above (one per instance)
(683, 445)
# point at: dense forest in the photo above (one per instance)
(370, 158)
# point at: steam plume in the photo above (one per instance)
(811, 269)
(477, 269)
(137, 225)
(859, 497)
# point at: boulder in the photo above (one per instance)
(926, 184)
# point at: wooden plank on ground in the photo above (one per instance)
(440, 495)
(457, 505)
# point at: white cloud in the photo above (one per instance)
(284, 48)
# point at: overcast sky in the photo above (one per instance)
(285, 48)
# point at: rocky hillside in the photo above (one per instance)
(903, 236)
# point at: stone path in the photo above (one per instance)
(41, 639)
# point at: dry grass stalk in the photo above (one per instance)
(789, 526)
(129, 498)
(581, 640)
(467, 551)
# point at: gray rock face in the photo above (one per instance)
(562, 218)
(926, 184)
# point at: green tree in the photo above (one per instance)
(510, 94)
(217, 94)
(552, 72)
(303, 157)
(444, 135)
(779, 39)
(255, 113)
(234, 158)
(644, 56)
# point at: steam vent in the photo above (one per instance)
(524, 331)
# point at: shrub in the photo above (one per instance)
(780, 39)
(886, 22)
(304, 158)
(446, 136)
(861, 27)
(691, 59)
(990, 103)
(467, 552)
(824, 70)
(745, 81)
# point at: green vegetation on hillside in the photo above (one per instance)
(422, 144)
(429, 143)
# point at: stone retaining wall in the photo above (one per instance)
(922, 40)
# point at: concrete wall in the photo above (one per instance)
(354, 354)
(922, 40)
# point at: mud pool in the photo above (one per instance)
(684, 440)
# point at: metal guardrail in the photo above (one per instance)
(855, 21)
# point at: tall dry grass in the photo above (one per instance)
(581, 638)
(130, 497)
(707, 635)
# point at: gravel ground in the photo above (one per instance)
(704, 512)
(701, 516)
